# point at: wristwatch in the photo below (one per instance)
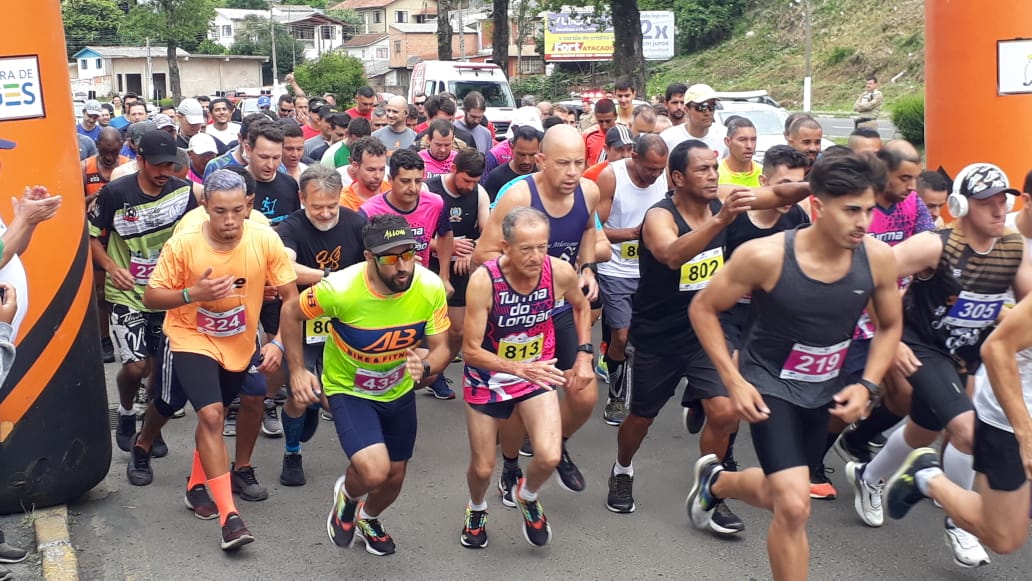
(872, 388)
(586, 348)
(426, 369)
(592, 266)
(326, 272)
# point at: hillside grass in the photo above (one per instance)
(850, 41)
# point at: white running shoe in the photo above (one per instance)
(967, 551)
(867, 499)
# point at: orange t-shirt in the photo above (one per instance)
(92, 180)
(222, 329)
(350, 200)
(594, 171)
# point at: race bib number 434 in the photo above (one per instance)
(697, 272)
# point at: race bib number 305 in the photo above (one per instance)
(697, 272)
(224, 324)
(814, 364)
(520, 348)
(316, 330)
(974, 310)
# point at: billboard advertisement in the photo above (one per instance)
(579, 36)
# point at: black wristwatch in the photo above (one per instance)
(592, 266)
(586, 348)
(871, 386)
(326, 272)
(426, 369)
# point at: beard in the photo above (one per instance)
(392, 283)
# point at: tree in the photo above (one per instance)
(628, 56)
(209, 46)
(500, 34)
(248, 4)
(444, 30)
(89, 22)
(254, 37)
(700, 23)
(331, 73)
(524, 28)
(174, 23)
(353, 21)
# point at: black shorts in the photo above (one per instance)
(502, 410)
(792, 436)
(203, 380)
(998, 456)
(136, 335)
(565, 340)
(856, 360)
(459, 283)
(362, 422)
(170, 395)
(736, 322)
(269, 316)
(652, 379)
(939, 394)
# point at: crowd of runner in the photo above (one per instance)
(304, 261)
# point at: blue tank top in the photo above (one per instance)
(565, 232)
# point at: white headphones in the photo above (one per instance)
(986, 175)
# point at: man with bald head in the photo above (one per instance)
(559, 191)
(396, 135)
(804, 135)
(643, 121)
(864, 139)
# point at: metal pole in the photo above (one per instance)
(272, 30)
(807, 74)
(462, 33)
(148, 81)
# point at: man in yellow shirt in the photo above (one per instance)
(738, 168)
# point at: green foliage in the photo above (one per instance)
(166, 103)
(89, 22)
(320, 4)
(353, 21)
(247, 4)
(839, 54)
(908, 117)
(556, 87)
(209, 46)
(184, 22)
(331, 73)
(254, 37)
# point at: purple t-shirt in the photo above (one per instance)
(427, 219)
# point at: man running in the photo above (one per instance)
(808, 287)
(379, 310)
(211, 279)
(509, 349)
(949, 313)
(627, 189)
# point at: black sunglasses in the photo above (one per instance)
(703, 107)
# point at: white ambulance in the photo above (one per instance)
(459, 78)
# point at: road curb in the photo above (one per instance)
(54, 544)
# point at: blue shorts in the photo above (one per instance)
(856, 360)
(364, 422)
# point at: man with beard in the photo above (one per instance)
(379, 310)
(675, 103)
(805, 134)
(365, 173)
(701, 103)
(526, 144)
(396, 135)
(222, 128)
(469, 128)
(440, 154)
(96, 170)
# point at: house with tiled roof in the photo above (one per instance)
(377, 15)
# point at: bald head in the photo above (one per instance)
(561, 161)
(109, 135)
(397, 113)
(398, 102)
(899, 150)
(562, 139)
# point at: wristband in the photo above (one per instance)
(186, 296)
(279, 345)
(326, 272)
(593, 267)
(426, 369)
(871, 386)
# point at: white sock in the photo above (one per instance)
(957, 467)
(482, 506)
(125, 412)
(924, 477)
(881, 467)
(527, 495)
(363, 515)
(618, 469)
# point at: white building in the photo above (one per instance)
(317, 31)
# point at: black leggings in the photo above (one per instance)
(204, 381)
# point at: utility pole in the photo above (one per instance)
(807, 74)
(149, 80)
(272, 31)
(462, 33)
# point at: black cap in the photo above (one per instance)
(158, 147)
(386, 231)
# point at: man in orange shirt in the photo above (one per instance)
(594, 141)
(211, 280)
(368, 165)
(618, 146)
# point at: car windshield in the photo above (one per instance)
(766, 122)
(496, 94)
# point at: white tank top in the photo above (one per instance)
(629, 206)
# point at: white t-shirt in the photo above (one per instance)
(227, 135)
(14, 274)
(714, 137)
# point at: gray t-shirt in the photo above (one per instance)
(393, 140)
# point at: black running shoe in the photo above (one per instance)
(525, 448)
(620, 499)
(850, 451)
(536, 529)
(570, 476)
(340, 523)
(694, 417)
(507, 484)
(311, 422)
(234, 533)
(108, 350)
(293, 472)
(199, 501)
(377, 541)
(125, 431)
(474, 532)
(245, 484)
(901, 491)
(725, 522)
(138, 470)
(9, 554)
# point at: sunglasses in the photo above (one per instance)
(282, 110)
(420, 103)
(703, 107)
(392, 259)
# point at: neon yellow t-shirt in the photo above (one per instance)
(748, 179)
(368, 333)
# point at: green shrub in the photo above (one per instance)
(908, 117)
(166, 103)
(840, 54)
(332, 73)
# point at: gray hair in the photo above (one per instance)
(223, 180)
(325, 179)
(518, 216)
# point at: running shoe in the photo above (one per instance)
(849, 451)
(536, 529)
(328, 416)
(159, 449)
(340, 523)
(457, 358)
(271, 425)
(474, 532)
(602, 368)
(229, 426)
(377, 541)
(821, 487)
(234, 533)
(901, 491)
(700, 502)
(108, 350)
(867, 499)
(570, 476)
(293, 472)
(138, 470)
(245, 484)
(281, 396)
(615, 412)
(507, 484)
(311, 422)
(440, 388)
(967, 551)
(620, 499)
(878, 441)
(199, 501)
(9, 554)
(124, 432)
(179, 413)
(525, 448)
(694, 417)
(724, 522)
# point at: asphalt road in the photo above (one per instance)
(843, 126)
(127, 532)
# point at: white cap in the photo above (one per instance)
(191, 109)
(529, 115)
(203, 143)
(700, 94)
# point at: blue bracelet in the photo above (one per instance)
(278, 344)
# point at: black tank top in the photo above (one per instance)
(659, 317)
(742, 229)
(798, 342)
(462, 211)
(955, 308)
